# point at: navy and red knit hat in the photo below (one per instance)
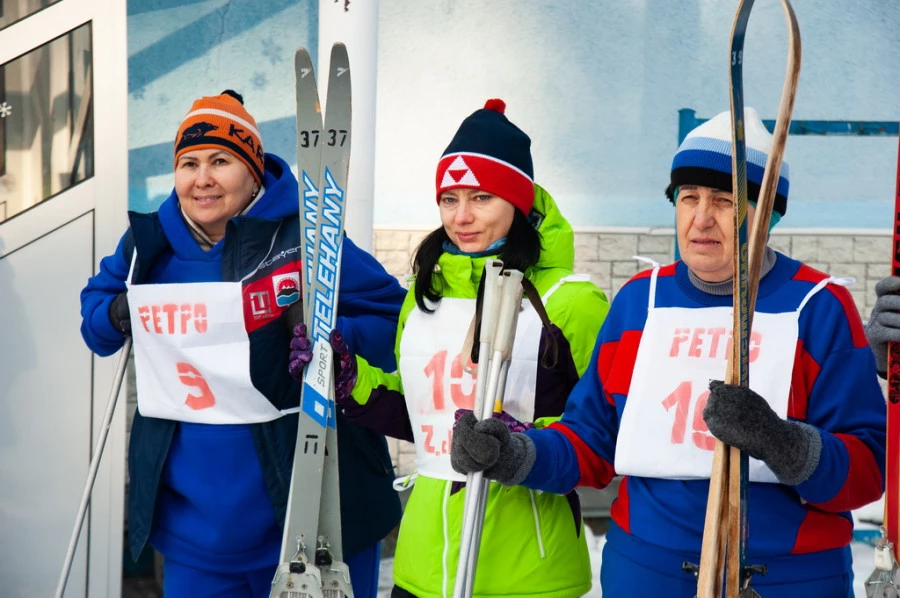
(489, 153)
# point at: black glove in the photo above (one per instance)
(293, 316)
(488, 446)
(884, 325)
(119, 316)
(741, 418)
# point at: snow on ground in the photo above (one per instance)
(863, 564)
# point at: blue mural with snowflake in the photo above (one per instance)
(180, 50)
(597, 85)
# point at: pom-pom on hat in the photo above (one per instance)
(222, 122)
(704, 158)
(489, 153)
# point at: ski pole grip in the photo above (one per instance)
(490, 299)
(510, 301)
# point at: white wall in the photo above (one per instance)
(598, 85)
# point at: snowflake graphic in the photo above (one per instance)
(272, 50)
(5, 110)
(259, 81)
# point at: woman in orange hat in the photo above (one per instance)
(208, 287)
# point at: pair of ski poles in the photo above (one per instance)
(500, 307)
(94, 466)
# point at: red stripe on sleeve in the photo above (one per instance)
(615, 363)
(806, 370)
(864, 481)
(822, 531)
(620, 510)
(857, 331)
(595, 471)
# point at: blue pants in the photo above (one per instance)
(621, 577)
(180, 581)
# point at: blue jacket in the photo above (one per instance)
(368, 308)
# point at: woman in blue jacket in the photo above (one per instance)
(208, 288)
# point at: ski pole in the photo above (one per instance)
(95, 464)
(501, 345)
(488, 322)
(512, 285)
(489, 303)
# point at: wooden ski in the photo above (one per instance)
(725, 528)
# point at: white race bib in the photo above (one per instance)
(662, 433)
(436, 384)
(192, 354)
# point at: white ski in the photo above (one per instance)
(311, 552)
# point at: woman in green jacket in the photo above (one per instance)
(532, 543)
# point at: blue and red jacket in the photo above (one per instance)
(834, 388)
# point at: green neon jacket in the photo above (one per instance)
(533, 543)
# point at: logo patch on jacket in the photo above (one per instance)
(287, 288)
(266, 298)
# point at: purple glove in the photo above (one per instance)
(512, 424)
(344, 369)
(301, 352)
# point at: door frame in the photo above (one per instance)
(105, 197)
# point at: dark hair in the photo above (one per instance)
(521, 251)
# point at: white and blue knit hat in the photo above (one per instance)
(704, 158)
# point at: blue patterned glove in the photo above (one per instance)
(512, 424)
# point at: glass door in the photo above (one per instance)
(63, 202)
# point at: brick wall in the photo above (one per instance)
(606, 254)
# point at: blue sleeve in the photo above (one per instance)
(96, 329)
(556, 465)
(578, 450)
(848, 408)
(368, 307)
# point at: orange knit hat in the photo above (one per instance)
(222, 122)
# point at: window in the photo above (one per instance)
(15, 10)
(46, 121)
